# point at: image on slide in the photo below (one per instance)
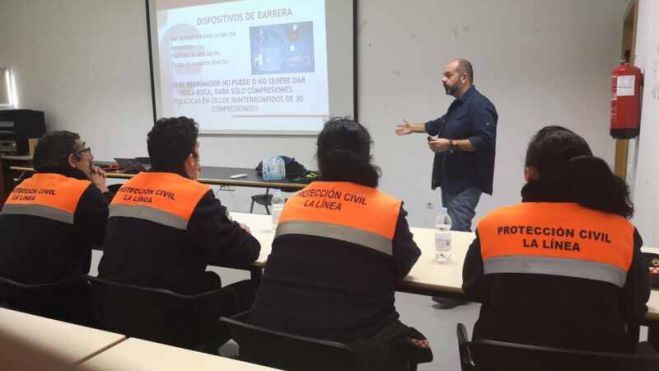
(282, 48)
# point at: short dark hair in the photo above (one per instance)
(170, 142)
(464, 66)
(53, 150)
(344, 153)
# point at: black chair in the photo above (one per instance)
(160, 315)
(492, 355)
(264, 199)
(64, 300)
(292, 352)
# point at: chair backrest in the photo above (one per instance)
(466, 360)
(63, 300)
(287, 351)
(156, 314)
(492, 355)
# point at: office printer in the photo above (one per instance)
(16, 127)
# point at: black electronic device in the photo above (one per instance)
(133, 165)
(17, 126)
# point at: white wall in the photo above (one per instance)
(85, 63)
(540, 62)
(646, 182)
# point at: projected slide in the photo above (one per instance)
(244, 66)
(282, 48)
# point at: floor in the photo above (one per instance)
(420, 312)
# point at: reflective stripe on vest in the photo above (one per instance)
(47, 195)
(560, 239)
(164, 198)
(343, 211)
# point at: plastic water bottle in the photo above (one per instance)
(443, 236)
(267, 169)
(280, 167)
(274, 168)
(276, 206)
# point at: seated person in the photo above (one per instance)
(341, 248)
(564, 267)
(165, 227)
(51, 220)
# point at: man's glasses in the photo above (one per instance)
(79, 152)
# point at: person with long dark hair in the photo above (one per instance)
(341, 248)
(564, 267)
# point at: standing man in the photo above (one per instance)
(464, 140)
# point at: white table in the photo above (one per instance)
(137, 355)
(65, 341)
(16, 157)
(427, 277)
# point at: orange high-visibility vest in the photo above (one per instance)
(562, 239)
(47, 195)
(164, 198)
(343, 211)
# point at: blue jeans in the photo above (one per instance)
(461, 207)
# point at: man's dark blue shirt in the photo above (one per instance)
(472, 117)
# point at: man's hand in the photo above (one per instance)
(439, 145)
(404, 128)
(99, 178)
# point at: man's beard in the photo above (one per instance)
(450, 90)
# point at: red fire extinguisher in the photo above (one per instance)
(626, 81)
